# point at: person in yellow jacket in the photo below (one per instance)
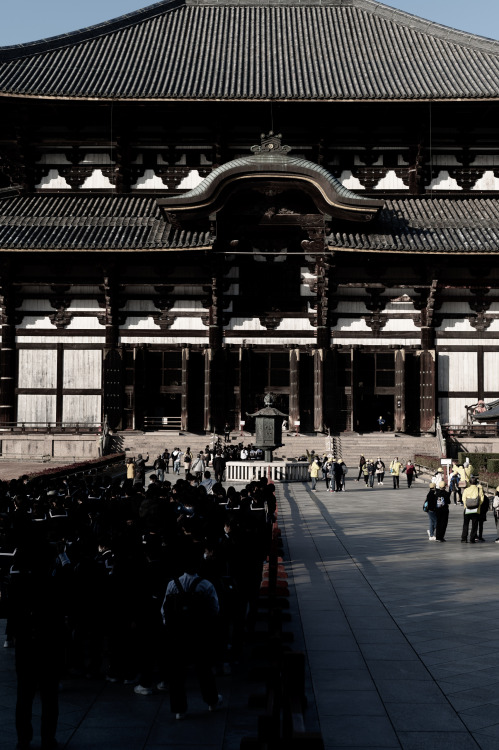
(395, 468)
(472, 500)
(468, 473)
(130, 469)
(313, 470)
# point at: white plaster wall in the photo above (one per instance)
(84, 305)
(355, 291)
(99, 157)
(445, 160)
(82, 368)
(36, 304)
(80, 323)
(400, 324)
(295, 324)
(491, 371)
(452, 410)
(443, 181)
(35, 321)
(399, 307)
(126, 339)
(305, 291)
(455, 324)
(351, 324)
(53, 181)
(37, 368)
(145, 323)
(382, 343)
(349, 181)
(347, 306)
(391, 182)
(139, 289)
(187, 289)
(485, 160)
(441, 341)
(245, 324)
(53, 158)
(97, 181)
(457, 371)
(187, 305)
(296, 341)
(36, 408)
(82, 409)
(488, 181)
(150, 181)
(192, 180)
(455, 307)
(61, 339)
(188, 324)
(140, 305)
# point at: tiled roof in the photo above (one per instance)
(120, 222)
(95, 222)
(427, 225)
(257, 49)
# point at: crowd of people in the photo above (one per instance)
(90, 565)
(333, 471)
(463, 488)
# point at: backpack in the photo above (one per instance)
(184, 610)
(472, 503)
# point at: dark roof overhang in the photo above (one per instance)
(270, 163)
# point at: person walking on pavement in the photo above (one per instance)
(431, 507)
(410, 471)
(395, 468)
(362, 461)
(191, 600)
(380, 471)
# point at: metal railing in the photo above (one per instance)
(50, 428)
(162, 423)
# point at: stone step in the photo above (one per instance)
(348, 445)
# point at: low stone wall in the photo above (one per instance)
(57, 447)
(277, 471)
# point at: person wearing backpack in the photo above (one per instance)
(189, 611)
(472, 500)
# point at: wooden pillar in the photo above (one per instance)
(7, 355)
(207, 426)
(427, 390)
(185, 389)
(354, 389)
(113, 389)
(319, 390)
(238, 392)
(294, 387)
(399, 411)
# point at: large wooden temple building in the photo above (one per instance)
(208, 200)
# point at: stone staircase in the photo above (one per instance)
(347, 445)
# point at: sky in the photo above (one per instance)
(30, 20)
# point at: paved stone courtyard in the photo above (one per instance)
(399, 634)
